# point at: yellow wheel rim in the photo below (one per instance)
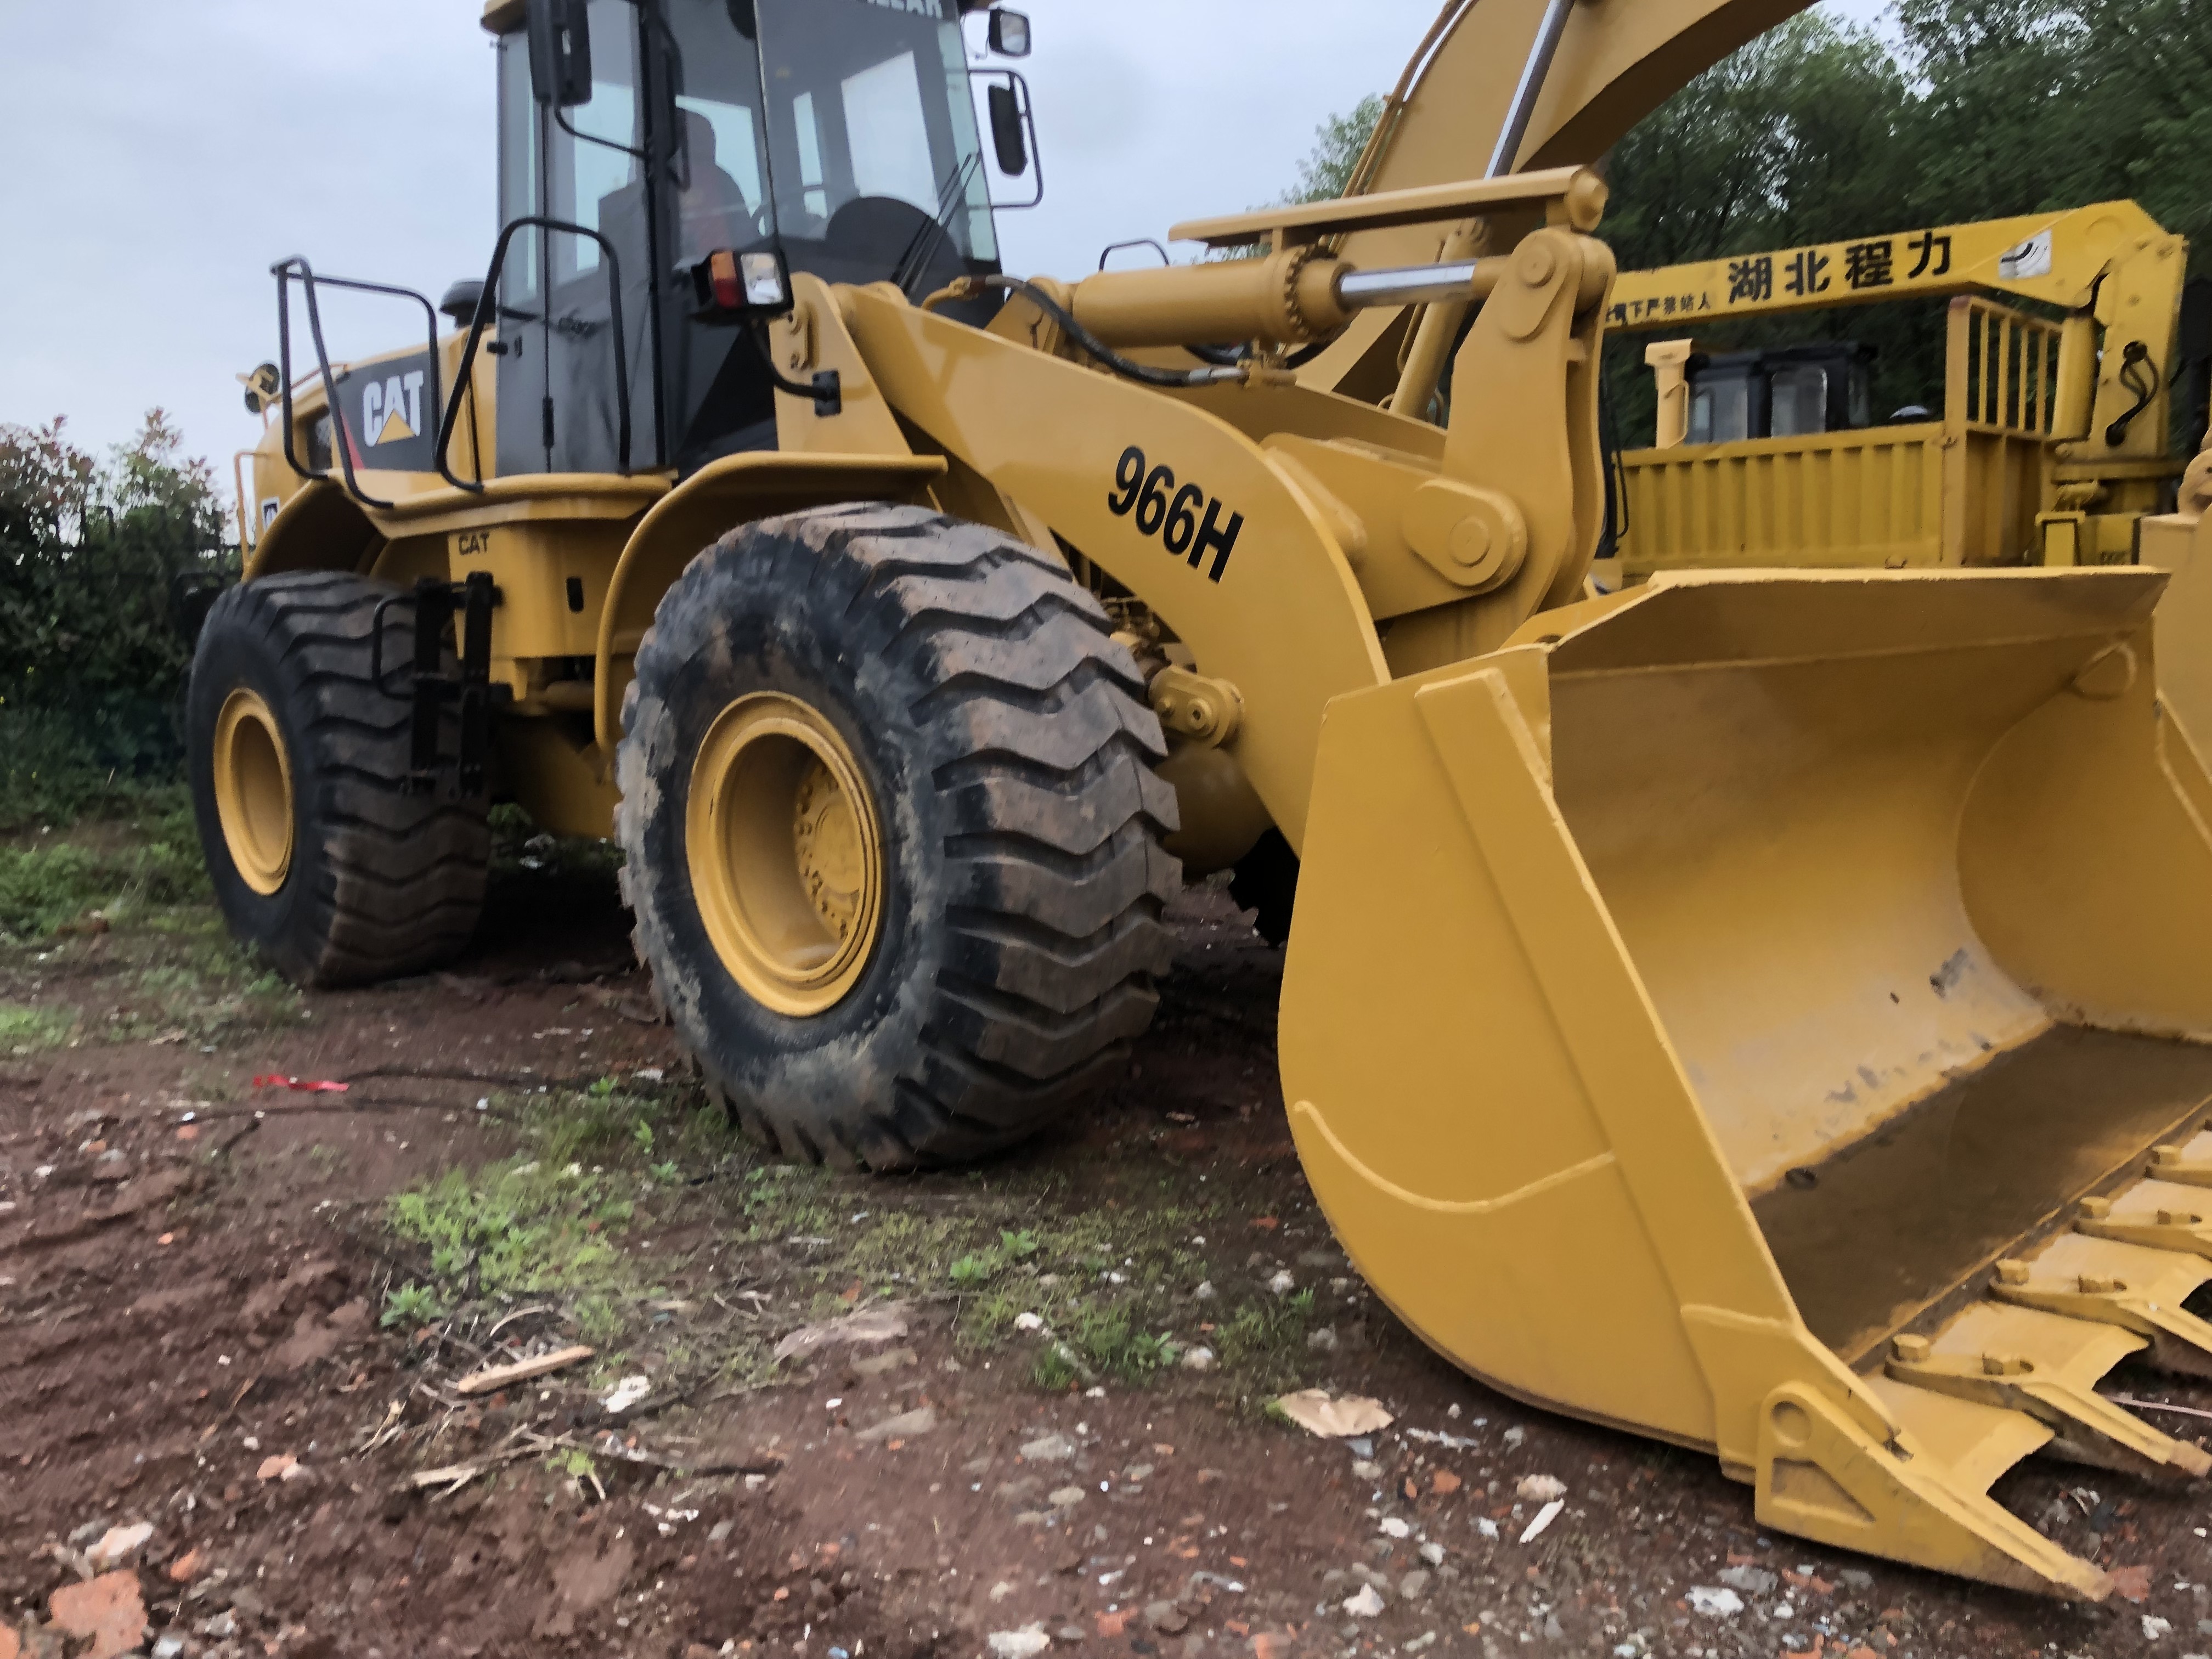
(253, 791)
(786, 853)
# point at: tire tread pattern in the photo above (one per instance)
(1040, 746)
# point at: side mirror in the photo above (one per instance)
(561, 52)
(262, 388)
(1006, 135)
(1010, 34)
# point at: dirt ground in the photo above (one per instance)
(235, 1323)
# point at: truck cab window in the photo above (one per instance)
(875, 155)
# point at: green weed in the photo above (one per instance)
(1266, 1341)
(515, 1227)
(412, 1304)
(24, 1028)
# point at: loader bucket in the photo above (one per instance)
(1773, 1012)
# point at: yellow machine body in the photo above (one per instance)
(1698, 1015)
(2019, 468)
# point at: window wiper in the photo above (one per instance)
(916, 260)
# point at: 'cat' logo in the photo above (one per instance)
(392, 409)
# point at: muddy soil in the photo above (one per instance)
(212, 1327)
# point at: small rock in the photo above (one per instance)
(1752, 1581)
(1715, 1603)
(627, 1392)
(1433, 1554)
(1414, 1586)
(1513, 1438)
(188, 1567)
(1363, 1470)
(1333, 1580)
(905, 1427)
(1067, 1498)
(169, 1647)
(1856, 1578)
(1544, 1516)
(1164, 1617)
(1049, 1449)
(1002, 1590)
(1486, 1527)
(1205, 1292)
(1197, 1359)
(1136, 1472)
(2154, 1628)
(1282, 1284)
(1553, 1630)
(1019, 1490)
(117, 1546)
(1024, 1643)
(1070, 1633)
(277, 1466)
(1540, 1488)
(1323, 1340)
(108, 1609)
(1027, 1322)
(720, 1531)
(890, 1360)
(1365, 1605)
(1391, 1526)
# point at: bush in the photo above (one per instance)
(96, 558)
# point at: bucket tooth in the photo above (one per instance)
(2164, 1215)
(2187, 1163)
(1922, 1496)
(2131, 1285)
(2046, 1366)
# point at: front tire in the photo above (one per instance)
(893, 833)
(321, 859)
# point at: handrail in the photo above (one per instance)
(296, 269)
(488, 307)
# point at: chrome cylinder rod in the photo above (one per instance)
(1531, 84)
(1412, 285)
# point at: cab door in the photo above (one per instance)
(560, 395)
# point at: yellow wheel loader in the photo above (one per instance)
(1698, 1014)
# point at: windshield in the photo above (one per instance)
(872, 138)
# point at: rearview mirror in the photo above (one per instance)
(1006, 135)
(261, 387)
(561, 52)
(1010, 34)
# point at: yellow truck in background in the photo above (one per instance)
(2050, 445)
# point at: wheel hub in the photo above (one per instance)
(786, 853)
(253, 791)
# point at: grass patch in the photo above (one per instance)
(1265, 1342)
(24, 1028)
(515, 1227)
(129, 874)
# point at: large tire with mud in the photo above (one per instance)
(892, 834)
(321, 859)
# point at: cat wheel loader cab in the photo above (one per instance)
(1697, 1015)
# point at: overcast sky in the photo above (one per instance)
(163, 153)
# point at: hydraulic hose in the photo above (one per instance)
(1143, 373)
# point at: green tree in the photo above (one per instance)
(1338, 142)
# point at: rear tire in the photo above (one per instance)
(998, 957)
(320, 858)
